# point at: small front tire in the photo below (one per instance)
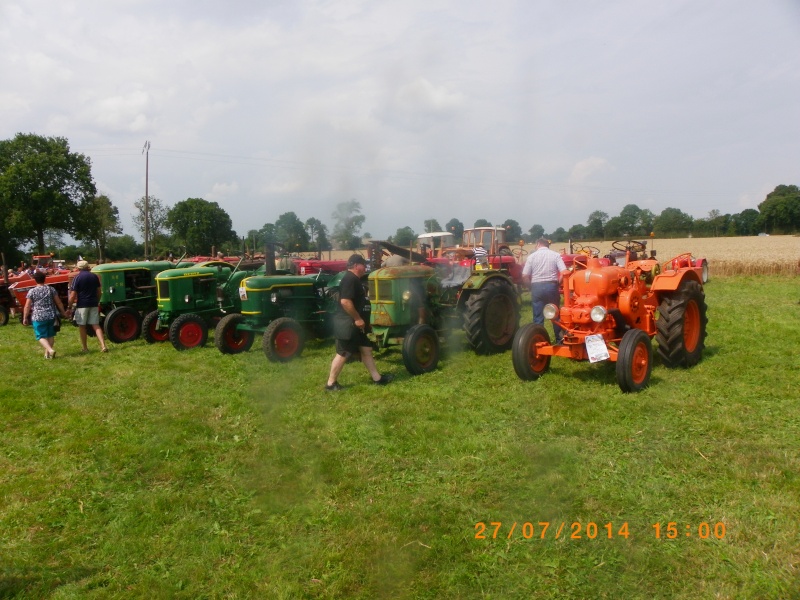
(634, 361)
(230, 340)
(123, 324)
(188, 331)
(150, 333)
(283, 340)
(529, 364)
(421, 349)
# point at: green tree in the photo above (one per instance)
(101, 219)
(200, 225)
(559, 235)
(348, 221)
(404, 236)
(673, 222)
(455, 227)
(123, 247)
(268, 234)
(513, 231)
(482, 223)
(432, 225)
(291, 232)
(318, 234)
(42, 186)
(535, 232)
(577, 232)
(156, 221)
(595, 226)
(780, 210)
(746, 222)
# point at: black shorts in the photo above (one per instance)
(352, 346)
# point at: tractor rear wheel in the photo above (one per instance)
(681, 326)
(283, 340)
(491, 317)
(3, 316)
(528, 363)
(150, 333)
(123, 324)
(188, 331)
(421, 349)
(230, 340)
(634, 361)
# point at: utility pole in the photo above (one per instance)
(146, 152)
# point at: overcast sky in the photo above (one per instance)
(539, 111)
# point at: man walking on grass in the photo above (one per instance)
(84, 299)
(543, 268)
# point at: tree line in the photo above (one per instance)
(47, 191)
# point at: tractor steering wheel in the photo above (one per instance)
(631, 245)
(519, 253)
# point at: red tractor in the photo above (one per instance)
(613, 312)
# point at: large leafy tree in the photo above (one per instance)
(513, 231)
(456, 227)
(780, 211)
(317, 234)
(673, 222)
(42, 186)
(100, 220)
(595, 225)
(291, 232)
(404, 236)
(535, 232)
(432, 225)
(745, 222)
(348, 221)
(156, 220)
(482, 223)
(200, 225)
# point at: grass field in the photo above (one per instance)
(149, 473)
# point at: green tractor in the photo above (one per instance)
(192, 299)
(415, 305)
(284, 308)
(128, 292)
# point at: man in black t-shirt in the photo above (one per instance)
(350, 329)
(84, 299)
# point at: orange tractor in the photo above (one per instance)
(613, 312)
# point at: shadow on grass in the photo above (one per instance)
(37, 582)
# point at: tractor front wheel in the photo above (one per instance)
(421, 349)
(3, 316)
(528, 363)
(283, 340)
(681, 326)
(123, 324)
(491, 317)
(188, 331)
(634, 361)
(230, 340)
(150, 333)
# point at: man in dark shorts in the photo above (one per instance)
(350, 328)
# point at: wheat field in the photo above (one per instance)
(753, 255)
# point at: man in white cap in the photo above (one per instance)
(84, 300)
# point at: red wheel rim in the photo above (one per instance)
(234, 339)
(639, 363)
(159, 335)
(190, 334)
(124, 326)
(286, 343)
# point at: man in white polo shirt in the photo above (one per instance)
(543, 269)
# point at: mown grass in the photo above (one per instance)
(149, 473)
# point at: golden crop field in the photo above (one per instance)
(753, 255)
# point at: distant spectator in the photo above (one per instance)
(42, 306)
(84, 298)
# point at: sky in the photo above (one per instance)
(541, 111)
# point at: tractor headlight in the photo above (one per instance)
(274, 297)
(550, 311)
(406, 296)
(187, 298)
(598, 314)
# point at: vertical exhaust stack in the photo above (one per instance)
(269, 259)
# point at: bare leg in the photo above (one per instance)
(98, 331)
(82, 331)
(47, 344)
(337, 364)
(369, 362)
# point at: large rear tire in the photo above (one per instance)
(634, 361)
(283, 340)
(528, 363)
(421, 349)
(150, 333)
(188, 331)
(681, 326)
(491, 317)
(230, 340)
(123, 324)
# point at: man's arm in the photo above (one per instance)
(350, 309)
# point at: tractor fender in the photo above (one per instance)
(670, 281)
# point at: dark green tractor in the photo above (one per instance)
(285, 309)
(415, 305)
(128, 293)
(193, 299)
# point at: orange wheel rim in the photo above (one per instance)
(691, 326)
(640, 363)
(536, 361)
